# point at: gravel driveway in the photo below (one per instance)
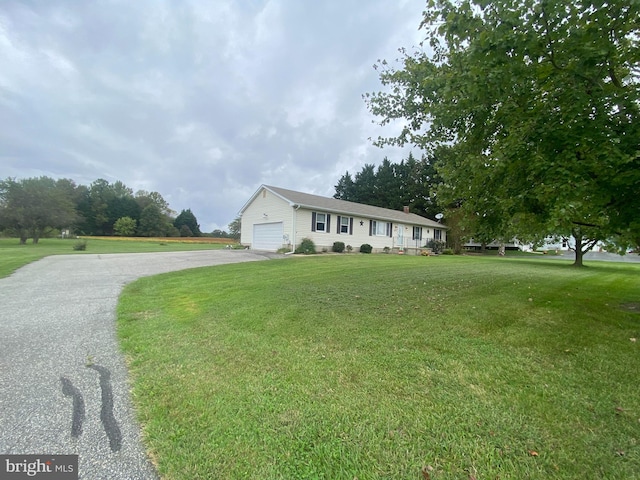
(63, 381)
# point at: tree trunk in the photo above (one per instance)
(23, 240)
(579, 252)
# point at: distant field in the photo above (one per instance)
(13, 255)
(187, 240)
(340, 367)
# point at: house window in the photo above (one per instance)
(345, 225)
(417, 233)
(380, 229)
(437, 234)
(320, 222)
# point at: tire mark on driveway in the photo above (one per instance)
(107, 418)
(78, 412)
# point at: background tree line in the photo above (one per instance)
(410, 183)
(36, 207)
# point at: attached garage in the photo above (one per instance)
(267, 236)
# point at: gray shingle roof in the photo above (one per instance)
(332, 205)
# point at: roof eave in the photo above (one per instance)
(373, 217)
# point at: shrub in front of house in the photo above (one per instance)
(306, 246)
(349, 248)
(436, 246)
(338, 247)
(365, 248)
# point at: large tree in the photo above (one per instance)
(94, 208)
(235, 228)
(31, 207)
(188, 219)
(145, 198)
(153, 223)
(532, 108)
(345, 189)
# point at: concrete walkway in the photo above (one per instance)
(63, 381)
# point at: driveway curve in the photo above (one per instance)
(63, 381)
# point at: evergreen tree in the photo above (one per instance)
(394, 185)
(345, 189)
(365, 186)
(388, 186)
(188, 219)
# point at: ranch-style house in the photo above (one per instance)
(276, 218)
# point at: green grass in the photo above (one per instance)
(13, 255)
(375, 366)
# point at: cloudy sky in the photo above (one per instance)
(200, 100)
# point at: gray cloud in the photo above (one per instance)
(200, 101)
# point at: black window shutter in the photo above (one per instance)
(413, 236)
(370, 227)
(351, 226)
(339, 224)
(328, 229)
(390, 227)
(313, 221)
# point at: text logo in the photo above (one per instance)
(49, 467)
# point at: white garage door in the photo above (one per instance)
(267, 236)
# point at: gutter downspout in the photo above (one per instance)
(293, 228)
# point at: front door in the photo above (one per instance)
(400, 237)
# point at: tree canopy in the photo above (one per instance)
(532, 110)
(234, 228)
(30, 207)
(187, 219)
(410, 183)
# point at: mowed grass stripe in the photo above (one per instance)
(374, 366)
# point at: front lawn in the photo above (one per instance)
(382, 366)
